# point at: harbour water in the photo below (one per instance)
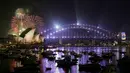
(119, 53)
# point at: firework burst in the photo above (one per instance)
(26, 22)
(32, 21)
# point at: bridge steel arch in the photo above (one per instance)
(73, 31)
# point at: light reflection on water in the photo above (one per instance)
(83, 59)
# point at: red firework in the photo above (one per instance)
(26, 22)
(32, 21)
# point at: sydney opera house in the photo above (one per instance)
(29, 36)
(23, 27)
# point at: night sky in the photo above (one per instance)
(113, 15)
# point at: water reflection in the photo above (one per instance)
(82, 60)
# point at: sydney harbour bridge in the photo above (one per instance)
(78, 32)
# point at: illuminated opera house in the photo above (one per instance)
(23, 27)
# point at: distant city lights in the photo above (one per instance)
(50, 33)
(78, 24)
(98, 27)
